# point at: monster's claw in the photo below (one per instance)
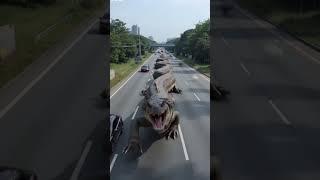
(133, 145)
(173, 133)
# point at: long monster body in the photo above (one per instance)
(158, 108)
(161, 64)
(161, 71)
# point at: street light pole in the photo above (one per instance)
(139, 45)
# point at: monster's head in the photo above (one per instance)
(158, 112)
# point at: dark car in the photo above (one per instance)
(115, 129)
(10, 173)
(104, 24)
(145, 68)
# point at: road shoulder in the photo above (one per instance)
(12, 89)
(118, 86)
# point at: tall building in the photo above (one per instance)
(135, 29)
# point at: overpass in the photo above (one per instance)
(169, 47)
(162, 45)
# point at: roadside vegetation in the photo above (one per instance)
(30, 17)
(299, 17)
(124, 69)
(124, 50)
(193, 46)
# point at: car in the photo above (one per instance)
(104, 27)
(11, 173)
(145, 68)
(115, 130)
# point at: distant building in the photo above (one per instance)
(135, 29)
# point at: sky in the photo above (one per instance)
(160, 19)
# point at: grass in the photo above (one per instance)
(305, 26)
(202, 68)
(123, 70)
(28, 23)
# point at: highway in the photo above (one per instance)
(268, 128)
(187, 157)
(55, 126)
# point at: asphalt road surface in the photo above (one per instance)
(187, 157)
(269, 127)
(56, 129)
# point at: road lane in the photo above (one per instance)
(164, 159)
(48, 128)
(253, 137)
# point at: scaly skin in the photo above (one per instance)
(159, 72)
(161, 64)
(158, 109)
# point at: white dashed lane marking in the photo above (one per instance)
(135, 112)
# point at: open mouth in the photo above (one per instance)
(157, 119)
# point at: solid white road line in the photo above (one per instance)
(113, 161)
(44, 72)
(183, 144)
(245, 69)
(277, 34)
(196, 96)
(81, 161)
(135, 112)
(282, 116)
(205, 77)
(128, 79)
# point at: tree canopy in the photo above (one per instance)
(195, 42)
(120, 36)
